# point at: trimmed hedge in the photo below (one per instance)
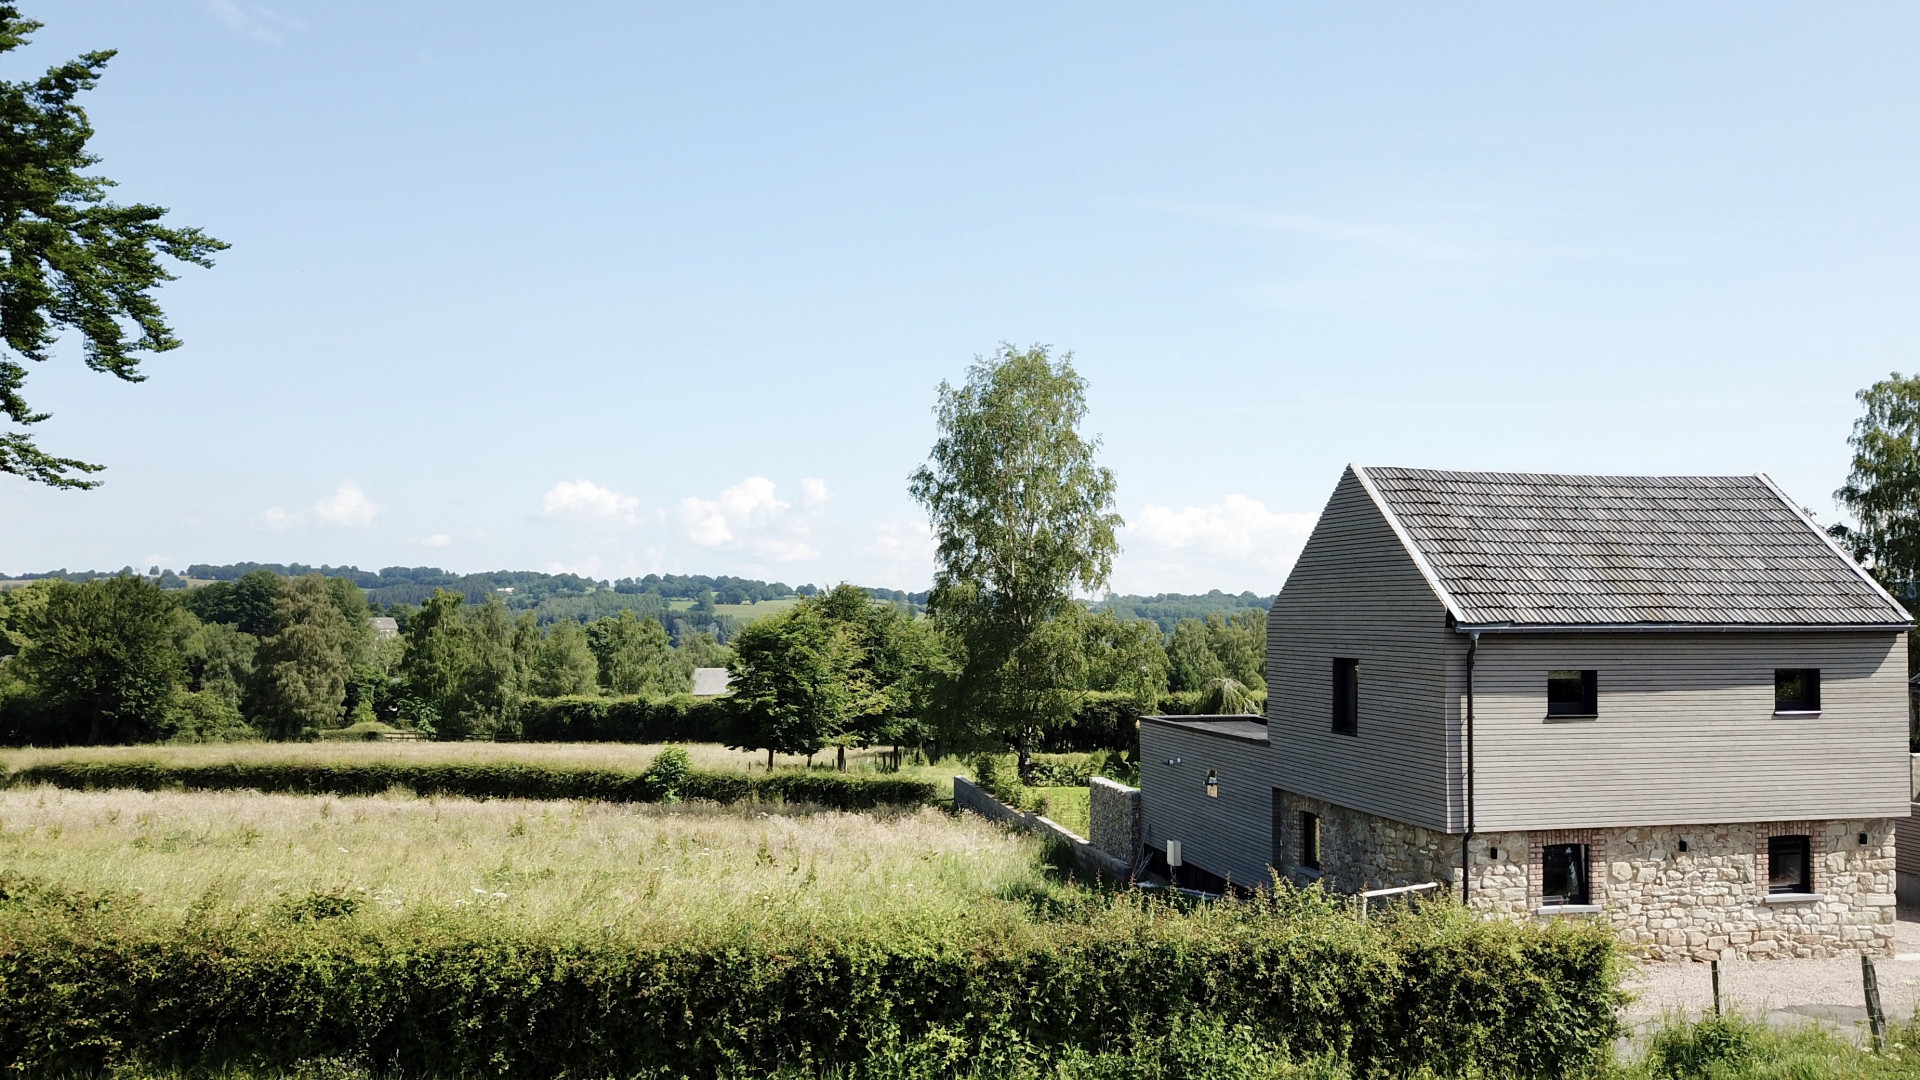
(88, 984)
(492, 780)
(622, 719)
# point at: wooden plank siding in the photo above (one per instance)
(1356, 592)
(1229, 835)
(1686, 732)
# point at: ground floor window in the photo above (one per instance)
(1310, 840)
(1563, 875)
(1789, 864)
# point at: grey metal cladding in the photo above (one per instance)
(1526, 549)
(1226, 835)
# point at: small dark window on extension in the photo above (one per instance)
(1310, 840)
(1573, 693)
(1796, 690)
(1346, 697)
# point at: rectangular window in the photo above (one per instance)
(1563, 875)
(1310, 840)
(1346, 697)
(1573, 693)
(1279, 830)
(1789, 864)
(1796, 690)
(1213, 784)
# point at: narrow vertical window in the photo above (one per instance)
(1789, 864)
(1310, 840)
(1573, 693)
(1796, 690)
(1563, 875)
(1278, 838)
(1346, 697)
(1213, 784)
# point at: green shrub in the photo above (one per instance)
(91, 983)
(1696, 1051)
(668, 773)
(488, 780)
(622, 719)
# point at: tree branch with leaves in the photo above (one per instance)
(74, 260)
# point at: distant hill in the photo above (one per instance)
(551, 597)
(1166, 609)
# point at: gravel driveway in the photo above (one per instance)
(1786, 990)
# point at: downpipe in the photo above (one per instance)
(1466, 842)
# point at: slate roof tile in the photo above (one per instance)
(1545, 549)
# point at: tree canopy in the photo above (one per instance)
(75, 261)
(1024, 520)
(1882, 491)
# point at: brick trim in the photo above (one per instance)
(1595, 841)
(1763, 857)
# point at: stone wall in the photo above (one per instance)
(1707, 902)
(971, 798)
(1114, 810)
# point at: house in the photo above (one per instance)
(384, 627)
(1670, 703)
(710, 681)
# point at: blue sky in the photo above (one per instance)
(620, 288)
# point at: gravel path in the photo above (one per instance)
(1786, 990)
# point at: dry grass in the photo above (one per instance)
(559, 866)
(633, 756)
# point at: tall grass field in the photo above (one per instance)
(233, 933)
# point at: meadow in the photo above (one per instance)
(634, 869)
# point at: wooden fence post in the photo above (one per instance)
(1876, 1017)
(1719, 996)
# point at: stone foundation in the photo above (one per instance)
(1707, 902)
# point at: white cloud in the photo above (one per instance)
(750, 517)
(1234, 544)
(257, 22)
(347, 508)
(438, 540)
(905, 549)
(584, 500)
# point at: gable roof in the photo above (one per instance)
(1526, 550)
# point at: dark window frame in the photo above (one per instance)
(1346, 695)
(1799, 848)
(1796, 690)
(1575, 893)
(1584, 702)
(1310, 838)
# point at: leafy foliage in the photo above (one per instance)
(103, 660)
(95, 982)
(493, 780)
(301, 681)
(1882, 491)
(75, 261)
(1024, 519)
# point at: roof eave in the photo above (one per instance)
(1688, 627)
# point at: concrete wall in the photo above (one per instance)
(968, 797)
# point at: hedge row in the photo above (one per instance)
(623, 719)
(87, 985)
(493, 780)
